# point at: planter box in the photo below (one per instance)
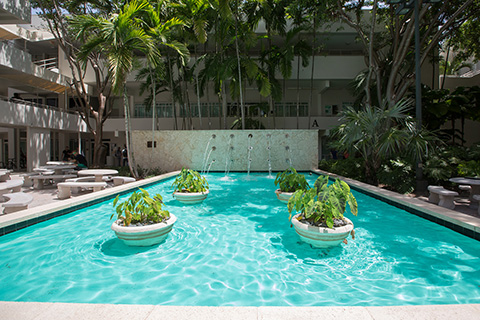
(190, 197)
(322, 237)
(283, 196)
(144, 236)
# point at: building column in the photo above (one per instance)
(38, 147)
(11, 143)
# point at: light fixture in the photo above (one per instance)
(405, 7)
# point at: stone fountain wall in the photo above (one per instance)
(214, 150)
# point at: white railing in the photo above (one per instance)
(49, 63)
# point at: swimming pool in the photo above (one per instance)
(237, 248)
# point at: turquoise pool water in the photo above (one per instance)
(238, 249)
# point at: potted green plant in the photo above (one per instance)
(190, 187)
(141, 219)
(288, 182)
(320, 221)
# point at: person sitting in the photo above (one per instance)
(67, 154)
(80, 160)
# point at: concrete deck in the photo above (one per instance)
(45, 201)
(67, 311)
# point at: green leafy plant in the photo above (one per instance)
(469, 168)
(290, 181)
(140, 208)
(352, 167)
(190, 181)
(324, 204)
(398, 175)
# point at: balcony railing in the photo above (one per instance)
(50, 63)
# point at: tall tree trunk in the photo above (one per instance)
(310, 105)
(198, 91)
(445, 69)
(131, 160)
(242, 108)
(370, 56)
(224, 105)
(154, 102)
(174, 107)
(298, 90)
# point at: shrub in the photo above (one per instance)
(399, 175)
(353, 168)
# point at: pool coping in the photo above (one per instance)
(45, 310)
(78, 311)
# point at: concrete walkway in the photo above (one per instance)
(67, 311)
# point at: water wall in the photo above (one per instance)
(227, 150)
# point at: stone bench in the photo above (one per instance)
(64, 188)
(27, 178)
(476, 197)
(38, 181)
(117, 181)
(434, 197)
(16, 201)
(10, 186)
(79, 179)
(445, 197)
(4, 176)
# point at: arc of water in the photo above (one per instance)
(269, 138)
(249, 151)
(208, 157)
(210, 165)
(205, 154)
(228, 155)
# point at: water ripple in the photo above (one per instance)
(238, 249)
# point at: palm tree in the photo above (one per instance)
(195, 14)
(377, 133)
(274, 15)
(118, 37)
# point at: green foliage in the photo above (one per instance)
(323, 203)
(351, 167)
(440, 166)
(399, 175)
(190, 181)
(451, 161)
(252, 124)
(150, 172)
(379, 133)
(469, 168)
(140, 208)
(290, 181)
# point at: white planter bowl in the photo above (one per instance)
(144, 236)
(283, 196)
(190, 197)
(322, 237)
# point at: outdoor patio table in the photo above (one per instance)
(474, 183)
(57, 163)
(98, 173)
(57, 168)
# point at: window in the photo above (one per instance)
(289, 109)
(162, 110)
